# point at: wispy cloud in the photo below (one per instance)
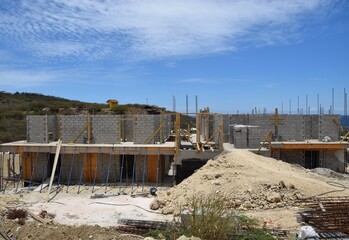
(25, 79)
(153, 29)
(199, 80)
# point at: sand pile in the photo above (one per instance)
(247, 182)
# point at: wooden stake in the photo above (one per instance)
(58, 149)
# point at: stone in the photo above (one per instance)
(167, 210)
(218, 175)
(247, 205)
(216, 182)
(274, 197)
(282, 184)
(154, 205)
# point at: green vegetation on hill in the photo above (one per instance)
(15, 107)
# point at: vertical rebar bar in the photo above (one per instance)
(121, 171)
(96, 169)
(133, 171)
(332, 112)
(108, 172)
(45, 170)
(157, 170)
(81, 174)
(33, 169)
(71, 168)
(306, 104)
(318, 104)
(144, 165)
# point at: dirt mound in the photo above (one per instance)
(247, 182)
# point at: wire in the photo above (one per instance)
(126, 204)
(334, 184)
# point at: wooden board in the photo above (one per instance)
(90, 167)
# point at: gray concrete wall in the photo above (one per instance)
(70, 126)
(327, 127)
(291, 127)
(334, 160)
(105, 129)
(41, 128)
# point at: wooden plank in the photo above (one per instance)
(58, 149)
(90, 167)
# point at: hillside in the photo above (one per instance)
(15, 107)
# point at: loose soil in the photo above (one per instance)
(260, 187)
(257, 186)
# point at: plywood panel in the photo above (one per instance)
(153, 162)
(28, 162)
(90, 167)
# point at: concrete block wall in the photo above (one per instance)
(36, 129)
(327, 127)
(168, 125)
(334, 160)
(246, 136)
(292, 127)
(70, 127)
(144, 128)
(265, 122)
(240, 137)
(41, 127)
(105, 129)
(311, 126)
(127, 124)
(293, 157)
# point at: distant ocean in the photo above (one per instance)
(345, 121)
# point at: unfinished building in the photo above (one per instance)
(308, 140)
(143, 150)
(109, 149)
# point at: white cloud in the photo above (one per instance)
(199, 81)
(152, 29)
(26, 79)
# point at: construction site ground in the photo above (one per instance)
(257, 186)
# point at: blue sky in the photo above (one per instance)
(233, 55)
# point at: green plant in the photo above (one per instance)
(208, 217)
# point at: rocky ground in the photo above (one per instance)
(260, 187)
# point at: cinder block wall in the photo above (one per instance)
(105, 129)
(334, 160)
(144, 128)
(294, 157)
(292, 127)
(39, 127)
(265, 122)
(327, 127)
(70, 127)
(36, 129)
